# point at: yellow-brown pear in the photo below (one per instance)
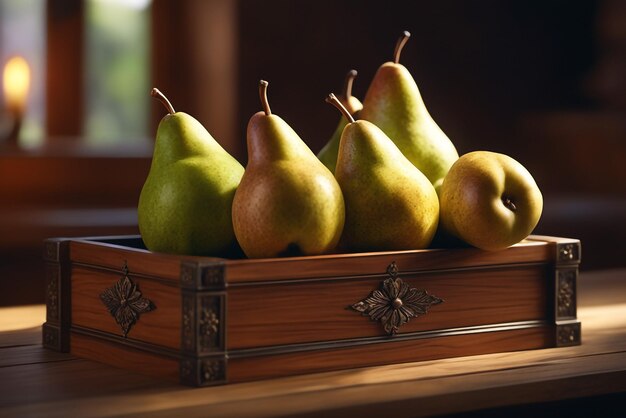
(390, 204)
(394, 104)
(288, 202)
(489, 200)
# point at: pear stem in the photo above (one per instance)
(156, 93)
(347, 88)
(333, 100)
(508, 203)
(399, 45)
(263, 95)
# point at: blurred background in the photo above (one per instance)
(541, 80)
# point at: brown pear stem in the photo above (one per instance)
(347, 88)
(508, 203)
(156, 93)
(333, 100)
(263, 95)
(399, 45)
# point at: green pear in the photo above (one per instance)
(328, 154)
(288, 202)
(185, 204)
(390, 204)
(489, 200)
(394, 104)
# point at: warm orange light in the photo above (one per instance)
(16, 83)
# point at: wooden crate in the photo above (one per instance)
(205, 321)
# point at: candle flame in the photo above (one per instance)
(16, 82)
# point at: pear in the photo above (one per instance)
(394, 104)
(328, 154)
(288, 202)
(185, 204)
(390, 204)
(489, 200)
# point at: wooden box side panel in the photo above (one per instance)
(167, 266)
(305, 312)
(362, 264)
(254, 368)
(140, 262)
(123, 357)
(160, 325)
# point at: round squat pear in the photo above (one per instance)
(186, 202)
(489, 200)
(328, 154)
(394, 104)
(390, 204)
(288, 202)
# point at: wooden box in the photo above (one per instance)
(204, 321)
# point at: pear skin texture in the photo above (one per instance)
(288, 202)
(472, 201)
(328, 154)
(394, 104)
(390, 204)
(185, 204)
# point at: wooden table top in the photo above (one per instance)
(38, 382)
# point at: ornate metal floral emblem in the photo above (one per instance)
(125, 302)
(395, 303)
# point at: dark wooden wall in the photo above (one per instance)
(481, 66)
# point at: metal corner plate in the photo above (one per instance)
(568, 252)
(205, 371)
(568, 333)
(202, 276)
(203, 327)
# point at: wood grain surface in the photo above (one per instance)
(334, 265)
(165, 367)
(319, 311)
(160, 326)
(238, 271)
(253, 368)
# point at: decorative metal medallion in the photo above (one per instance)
(395, 303)
(125, 302)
